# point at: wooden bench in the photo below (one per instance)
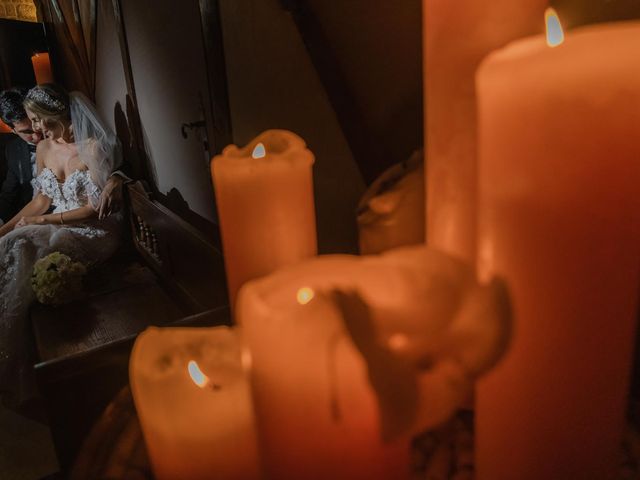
(167, 273)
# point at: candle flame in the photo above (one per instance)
(555, 34)
(304, 295)
(199, 378)
(259, 151)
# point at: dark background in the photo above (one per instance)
(18, 41)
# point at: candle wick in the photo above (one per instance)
(334, 405)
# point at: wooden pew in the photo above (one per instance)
(167, 273)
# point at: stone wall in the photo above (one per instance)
(24, 10)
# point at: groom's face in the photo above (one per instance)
(26, 132)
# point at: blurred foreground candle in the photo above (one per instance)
(560, 222)
(343, 381)
(391, 211)
(265, 202)
(42, 68)
(457, 35)
(193, 401)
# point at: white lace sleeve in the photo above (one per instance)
(36, 185)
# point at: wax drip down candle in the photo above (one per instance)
(352, 356)
(264, 193)
(560, 220)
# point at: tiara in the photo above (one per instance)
(40, 96)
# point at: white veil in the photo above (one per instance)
(98, 146)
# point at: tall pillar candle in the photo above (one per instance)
(42, 68)
(265, 202)
(560, 221)
(456, 36)
(192, 396)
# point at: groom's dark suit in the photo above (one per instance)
(16, 189)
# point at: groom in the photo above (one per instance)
(20, 154)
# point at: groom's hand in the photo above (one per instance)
(111, 197)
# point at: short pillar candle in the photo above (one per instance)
(264, 193)
(192, 395)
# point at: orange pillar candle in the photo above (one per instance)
(456, 36)
(265, 202)
(318, 368)
(42, 68)
(560, 221)
(192, 396)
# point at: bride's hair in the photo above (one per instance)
(51, 102)
(48, 100)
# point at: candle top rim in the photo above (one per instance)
(164, 352)
(536, 45)
(278, 144)
(339, 270)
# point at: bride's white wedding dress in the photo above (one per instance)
(90, 243)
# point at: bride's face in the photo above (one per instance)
(49, 127)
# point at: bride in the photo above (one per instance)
(74, 163)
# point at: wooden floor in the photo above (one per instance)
(26, 451)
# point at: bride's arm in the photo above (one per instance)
(69, 217)
(37, 206)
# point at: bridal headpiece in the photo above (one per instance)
(44, 98)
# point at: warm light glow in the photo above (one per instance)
(245, 359)
(304, 295)
(398, 341)
(259, 151)
(555, 34)
(42, 68)
(196, 374)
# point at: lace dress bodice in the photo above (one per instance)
(89, 242)
(77, 190)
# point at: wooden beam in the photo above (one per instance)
(124, 51)
(219, 132)
(140, 162)
(368, 157)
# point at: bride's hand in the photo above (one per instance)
(24, 221)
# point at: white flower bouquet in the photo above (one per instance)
(56, 279)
